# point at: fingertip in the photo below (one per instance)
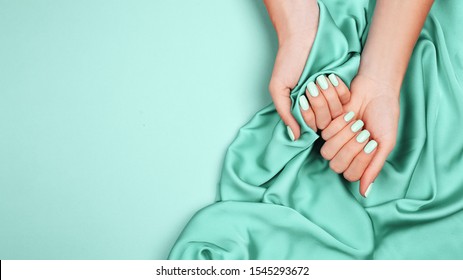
(370, 187)
(293, 132)
(304, 103)
(373, 170)
(333, 79)
(292, 127)
(364, 185)
(367, 180)
(297, 132)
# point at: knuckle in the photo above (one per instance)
(315, 104)
(324, 122)
(322, 126)
(351, 177)
(324, 135)
(336, 167)
(308, 118)
(348, 150)
(344, 96)
(324, 153)
(337, 112)
(330, 97)
(283, 114)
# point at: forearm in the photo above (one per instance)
(295, 20)
(395, 28)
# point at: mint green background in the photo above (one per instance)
(115, 117)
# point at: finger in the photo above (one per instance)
(349, 151)
(280, 96)
(319, 106)
(357, 167)
(307, 113)
(337, 124)
(331, 96)
(373, 169)
(341, 88)
(332, 146)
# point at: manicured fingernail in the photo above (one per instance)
(304, 103)
(322, 82)
(349, 116)
(313, 90)
(290, 133)
(368, 190)
(370, 147)
(357, 126)
(363, 136)
(334, 80)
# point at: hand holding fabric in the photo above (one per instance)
(296, 24)
(375, 106)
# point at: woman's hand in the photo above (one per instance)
(375, 90)
(347, 148)
(296, 24)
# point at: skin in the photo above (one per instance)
(374, 92)
(296, 24)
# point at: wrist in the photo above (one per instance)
(295, 21)
(298, 40)
(382, 72)
(375, 86)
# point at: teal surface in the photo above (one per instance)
(279, 199)
(115, 117)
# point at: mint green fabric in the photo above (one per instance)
(280, 200)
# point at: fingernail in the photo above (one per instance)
(368, 190)
(357, 126)
(321, 81)
(290, 133)
(349, 116)
(363, 136)
(313, 90)
(304, 103)
(370, 147)
(334, 81)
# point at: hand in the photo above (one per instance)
(377, 104)
(296, 24)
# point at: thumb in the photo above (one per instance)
(373, 169)
(282, 103)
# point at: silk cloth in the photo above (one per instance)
(279, 199)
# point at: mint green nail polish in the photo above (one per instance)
(357, 126)
(290, 133)
(363, 136)
(370, 147)
(304, 103)
(334, 80)
(368, 190)
(321, 81)
(349, 116)
(312, 88)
